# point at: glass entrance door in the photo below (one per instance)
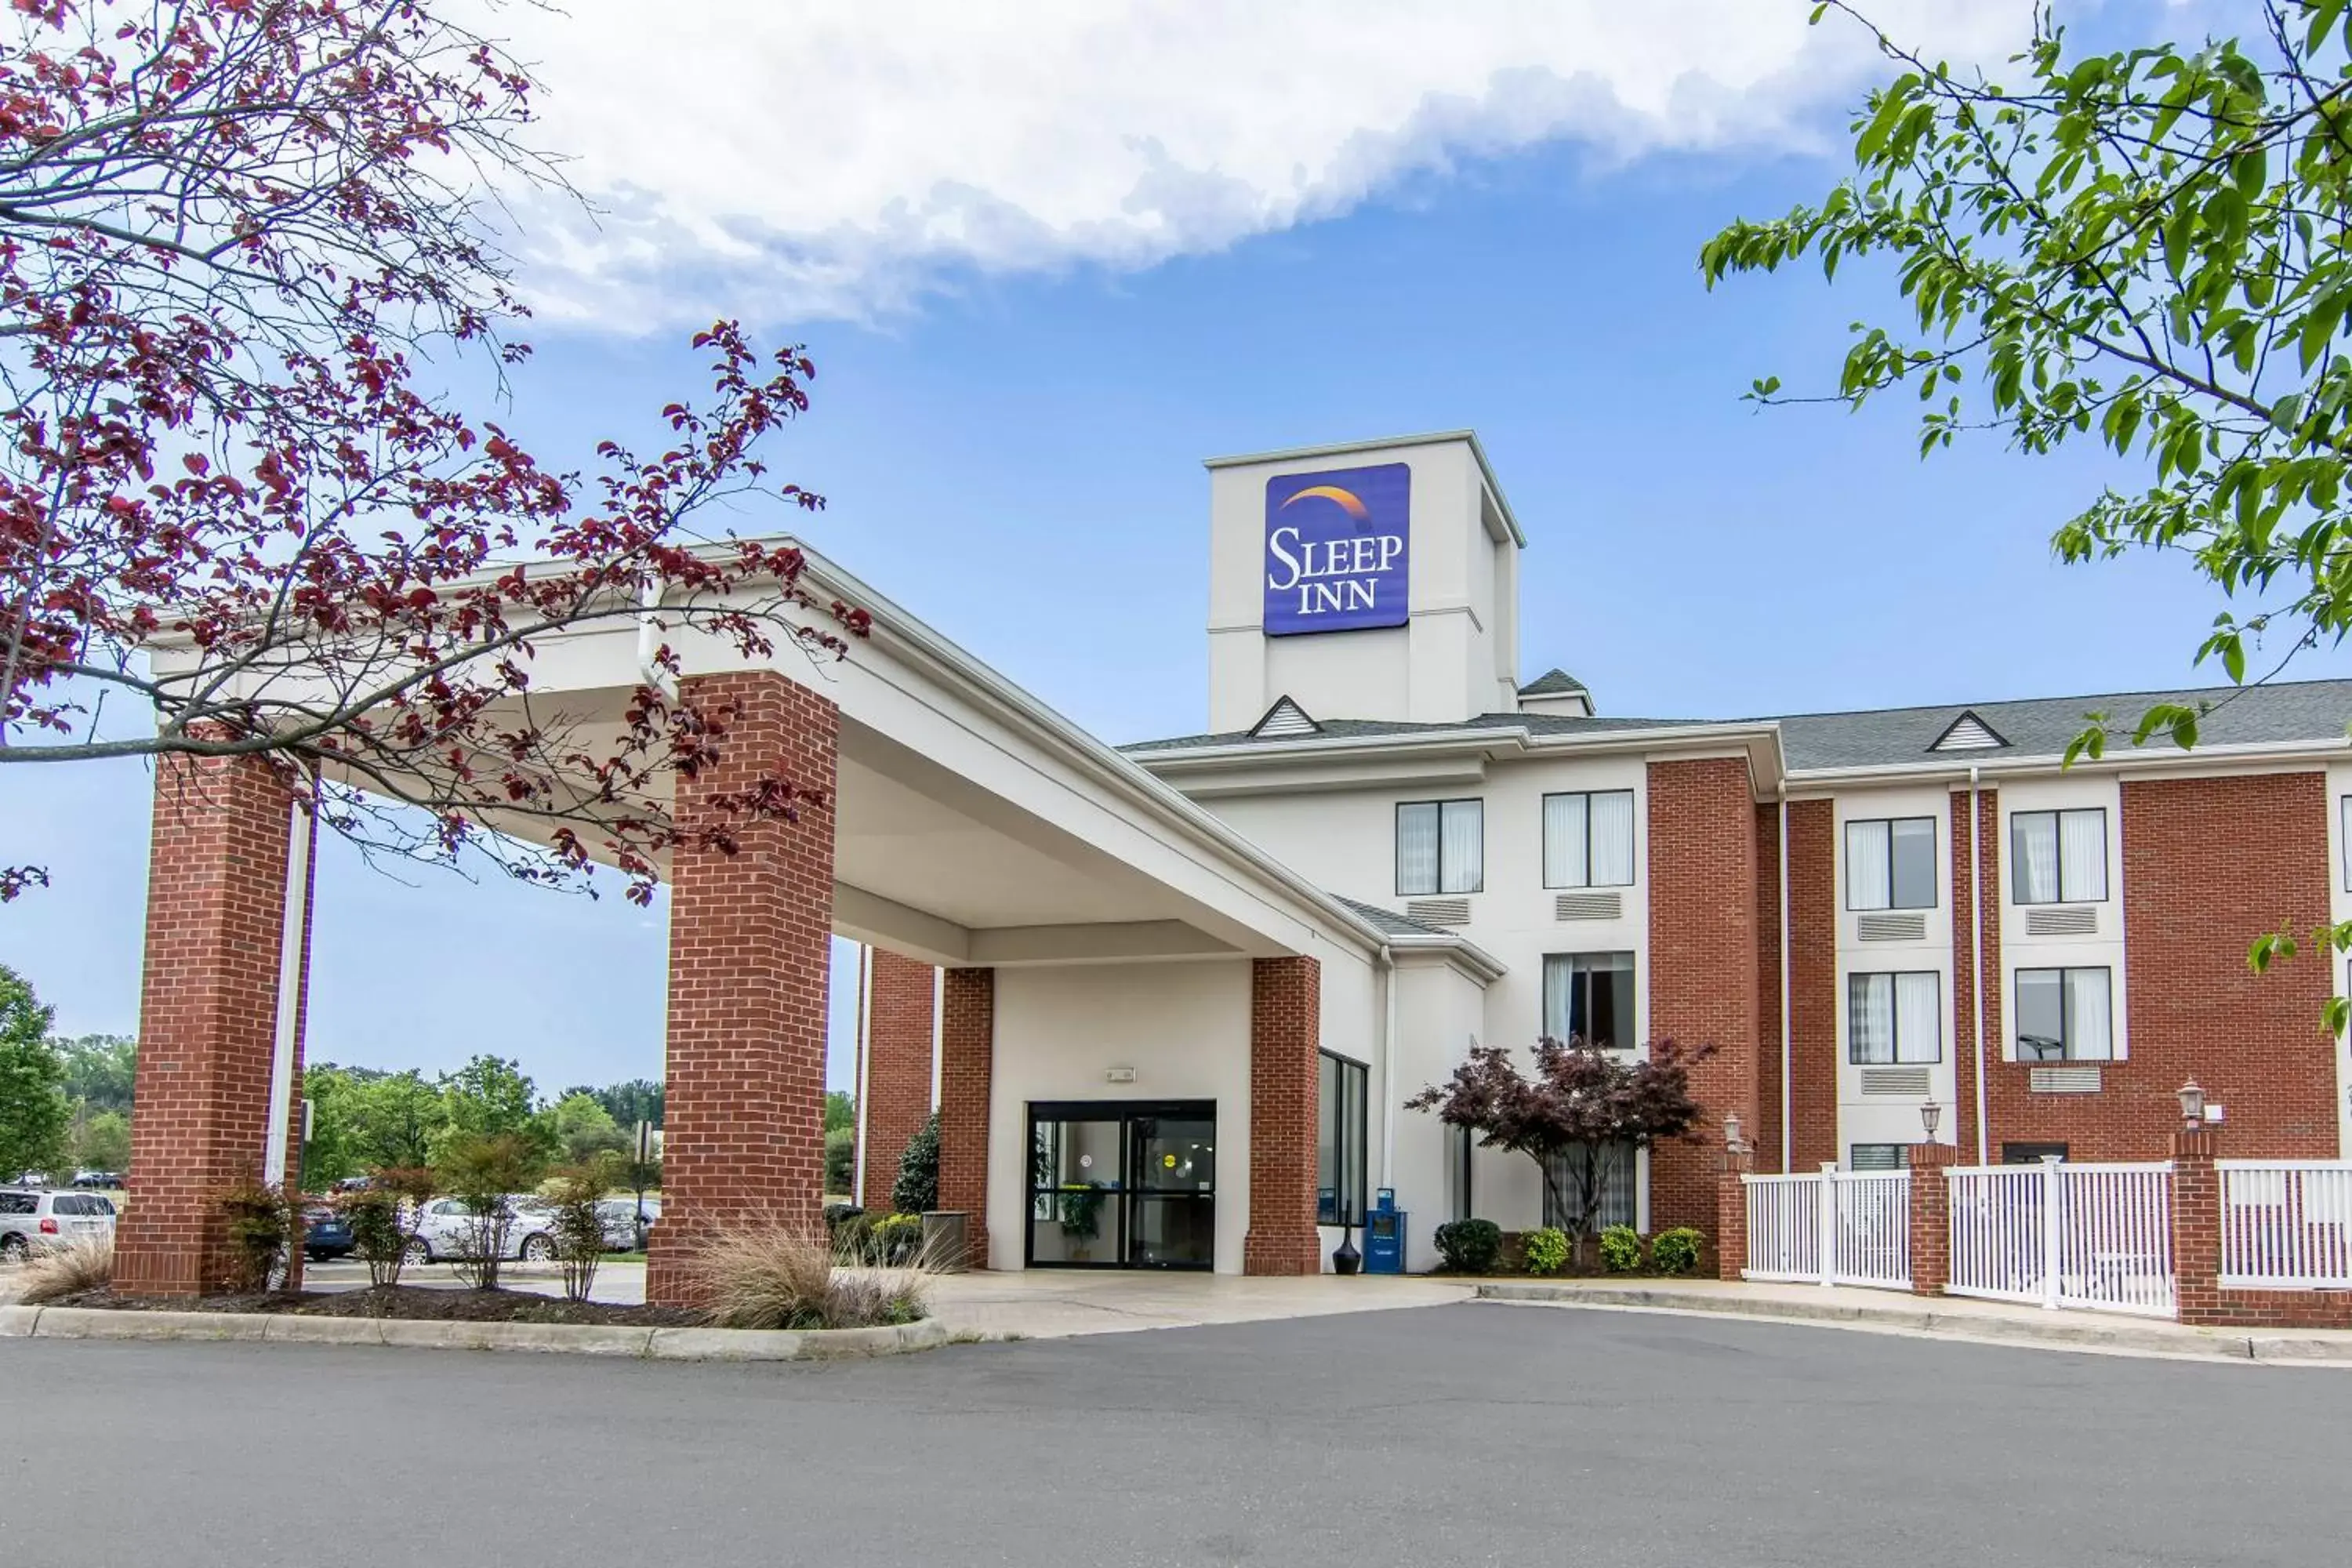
(1123, 1184)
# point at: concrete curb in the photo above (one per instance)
(2057, 1331)
(563, 1339)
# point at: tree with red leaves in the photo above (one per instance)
(232, 233)
(1583, 1098)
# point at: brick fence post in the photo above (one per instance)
(2197, 1226)
(1931, 1218)
(1731, 1214)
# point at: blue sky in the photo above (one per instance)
(1011, 451)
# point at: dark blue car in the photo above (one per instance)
(325, 1234)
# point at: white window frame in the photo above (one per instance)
(2066, 1042)
(2058, 816)
(1588, 796)
(1441, 889)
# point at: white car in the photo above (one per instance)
(34, 1222)
(446, 1230)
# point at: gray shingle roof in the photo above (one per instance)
(1371, 729)
(2042, 726)
(1390, 923)
(1553, 682)
(1886, 737)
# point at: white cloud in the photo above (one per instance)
(837, 157)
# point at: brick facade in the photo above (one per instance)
(898, 1034)
(1931, 1216)
(1964, 978)
(1763, 1135)
(208, 1016)
(1812, 986)
(967, 1068)
(1285, 1035)
(749, 959)
(1703, 963)
(2209, 864)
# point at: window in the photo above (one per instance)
(1890, 864)
(19, 1203)
(1618, 1177)
(2065, 1015)
(1895, 1017)
(2059, 856)
(1339, 1139)
(2031, 1153)
(1440, 846)
(1588, 997)
(1588, 839)
(1874, 1157)
(2344, 837)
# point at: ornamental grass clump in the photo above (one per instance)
(85, 1263)
(769, 1274)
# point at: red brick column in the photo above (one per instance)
(1731, 1214)
(2197, 1226)
(1812, 985)
(1931, 1218)
(750, 950)
(898, 999)
(967, 1064)
(1285, 1033)
(207, 1015)
(1703, 961)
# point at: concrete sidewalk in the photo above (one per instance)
(1943, 1317)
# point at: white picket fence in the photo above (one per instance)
(1837, 1227)
(2096, 1237)
(2286, 1225)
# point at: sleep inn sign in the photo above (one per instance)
(1337, 550)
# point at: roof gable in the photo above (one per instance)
(1284, 720)
(1968, 733)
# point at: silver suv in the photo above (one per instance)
(34, 1222)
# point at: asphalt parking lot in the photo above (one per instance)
(1459, 1433)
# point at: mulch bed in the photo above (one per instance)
(408, 1302)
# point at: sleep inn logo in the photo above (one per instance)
(1337, 550)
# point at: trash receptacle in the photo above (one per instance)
(943, 1240)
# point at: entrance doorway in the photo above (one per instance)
(1123, 1184)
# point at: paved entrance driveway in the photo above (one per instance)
(1449, 1434)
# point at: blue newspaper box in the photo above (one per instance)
(1384, 1235)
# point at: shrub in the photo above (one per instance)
(838, 1214)
(895, 1240)
(483, 1169)
(86, 1263)
(1621, 1249)
(917, 1186)
(840, 1157)
(579, 1227)
(1677, 1251)
(771, 1275)
(260, 1227)
(1469, 1245)
(1546, 1249)
(383, 1216)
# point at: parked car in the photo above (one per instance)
(445, 1229)
(99, 1180)
(34, 1222)
(620, 1217)
(326, 1234)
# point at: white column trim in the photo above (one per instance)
(293, 965)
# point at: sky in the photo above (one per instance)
(1048, 264)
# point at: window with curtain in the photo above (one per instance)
(1340, 1106)
(2065, 1015)
(2058, 857)
(1894, 1018)
(1588, 839)
(1616, 1204)
(1874, 1157)
(1589, 996)
(1890, 863)
(1440, 846)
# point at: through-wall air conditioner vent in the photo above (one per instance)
(1895, 925)
(2071, 919)
(2063, 1080)
(1589, 907)
(1438, 911)
(1910, 1081)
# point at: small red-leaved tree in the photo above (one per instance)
(1582, 1098)
(234, 234)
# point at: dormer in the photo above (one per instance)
(1557, 694)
